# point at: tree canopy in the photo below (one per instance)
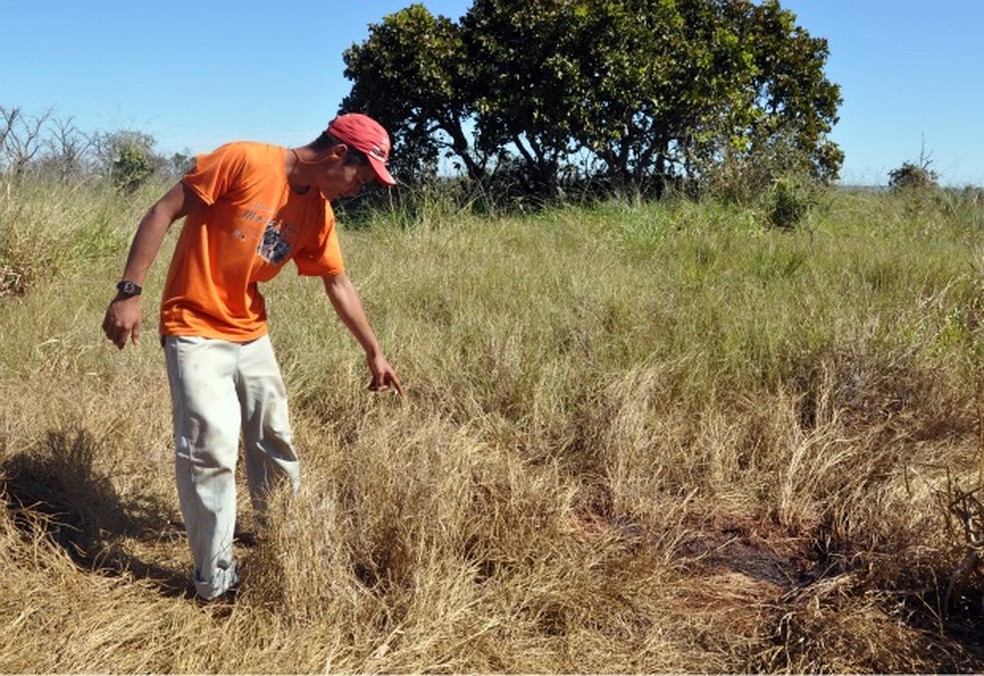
(621, 92)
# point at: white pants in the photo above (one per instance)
(217, 389)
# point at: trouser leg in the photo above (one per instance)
(206, 435)
(268, 448)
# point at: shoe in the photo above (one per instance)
(228, 578)
(219, 607)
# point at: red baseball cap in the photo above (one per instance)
(368, 136)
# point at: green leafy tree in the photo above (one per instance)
(783, 108)
(796, 100)
(655, 73)
(527, 84)
(637, 92)
(411, 75)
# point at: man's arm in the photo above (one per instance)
(348, 306)
(122, 321)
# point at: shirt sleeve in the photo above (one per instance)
(215, 172)
(324, 257)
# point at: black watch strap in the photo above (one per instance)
(128, 288)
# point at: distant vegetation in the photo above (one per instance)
(42, 145)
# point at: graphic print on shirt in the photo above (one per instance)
(274, 245)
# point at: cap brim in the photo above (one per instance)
(382, 173)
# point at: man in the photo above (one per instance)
(248, 208)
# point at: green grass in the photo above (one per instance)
(634, 438)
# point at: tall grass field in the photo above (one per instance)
(634, 438)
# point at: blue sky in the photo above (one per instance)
(197, 73)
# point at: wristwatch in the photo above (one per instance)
(128, 288)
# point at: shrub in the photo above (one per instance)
(131, 168)
(912, 176)
(789, 201)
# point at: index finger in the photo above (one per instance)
(395, 382)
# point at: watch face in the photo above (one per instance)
(129, 288)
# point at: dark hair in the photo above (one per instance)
(327, 141)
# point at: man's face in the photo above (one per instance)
(345, 175)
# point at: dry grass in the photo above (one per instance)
(635, 439)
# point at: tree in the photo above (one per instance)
(49, 147)
(658, 75)
(526, 84)
(780, 119)
(410, 74)
(66, 148)
(636, 92)
(21, 138)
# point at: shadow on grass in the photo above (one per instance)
(54, 491)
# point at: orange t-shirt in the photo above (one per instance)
(251, 225)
